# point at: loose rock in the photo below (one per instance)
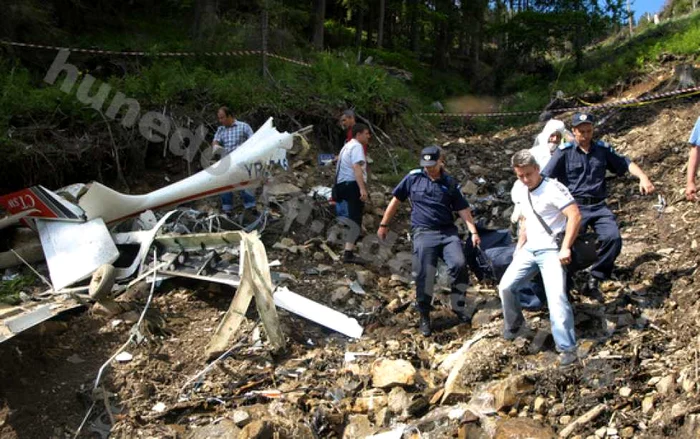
(389, 373)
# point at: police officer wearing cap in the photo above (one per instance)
(581, 166)
(435, 196)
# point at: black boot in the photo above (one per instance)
(425, 324)
(351, 258)
(592, 289)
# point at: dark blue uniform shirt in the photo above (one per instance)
(433, 201)
(584, 174)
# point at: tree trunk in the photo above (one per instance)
(319, 19)
(359, 23)
(413, 25)
(380, 27)
(205, 18)
(390, 30)
(442, 35)
(265, 29)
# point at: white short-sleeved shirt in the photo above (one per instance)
(695, 134)
(548, 199)
(352, 153)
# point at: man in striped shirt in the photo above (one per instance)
(230, 135)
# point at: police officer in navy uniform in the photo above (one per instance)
(581, 167)
(435, 196)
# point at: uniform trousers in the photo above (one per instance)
(428, 246)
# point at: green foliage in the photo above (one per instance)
(618, 60)
(21, 99)
(429, 83)
(338, 34)
(10, 289)
(676, 8)
(405, 161)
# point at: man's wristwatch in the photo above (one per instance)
(383, 225)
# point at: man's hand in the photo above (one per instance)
(476, 239)
(690, 192)
(382, 232)
(364, 196)
(565, 256)
(646, 187)
(217, 150)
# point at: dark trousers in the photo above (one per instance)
(602, 220)
(428, 246)
(351, 211)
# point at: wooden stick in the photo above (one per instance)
(330, 252)
(583, 419)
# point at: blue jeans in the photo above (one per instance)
(341, 209)
(227, 200)
(525, 264)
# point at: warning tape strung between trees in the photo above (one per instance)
(621, 103)
(632, 102)
(159, 54)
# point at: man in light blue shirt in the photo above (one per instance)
(694, 140)
(230, 135)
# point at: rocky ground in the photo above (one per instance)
(638, 374)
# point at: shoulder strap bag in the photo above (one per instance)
(584, 251)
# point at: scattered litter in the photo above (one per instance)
(321, 191)
(159, 407)
(10, 274)
(352, 356)
(396, 433)
(124, 357)
(324, 159)
(272, 393)
(357, 288)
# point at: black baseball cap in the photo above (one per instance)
(580, 118)
(429, 156)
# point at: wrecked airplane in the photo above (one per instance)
(73, 224)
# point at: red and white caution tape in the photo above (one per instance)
(159, 54)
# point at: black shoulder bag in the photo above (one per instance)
(584, 251)
(334, 188)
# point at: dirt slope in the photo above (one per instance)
(639, 348)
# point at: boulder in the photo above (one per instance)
(358, 426)
(370, 401)
(523, 428)
(507, 392)
(667, 384)
(390, 373)
(257, 430)
(223, 429)
(399, 400)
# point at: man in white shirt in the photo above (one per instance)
(351, 188)
(537, 249)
